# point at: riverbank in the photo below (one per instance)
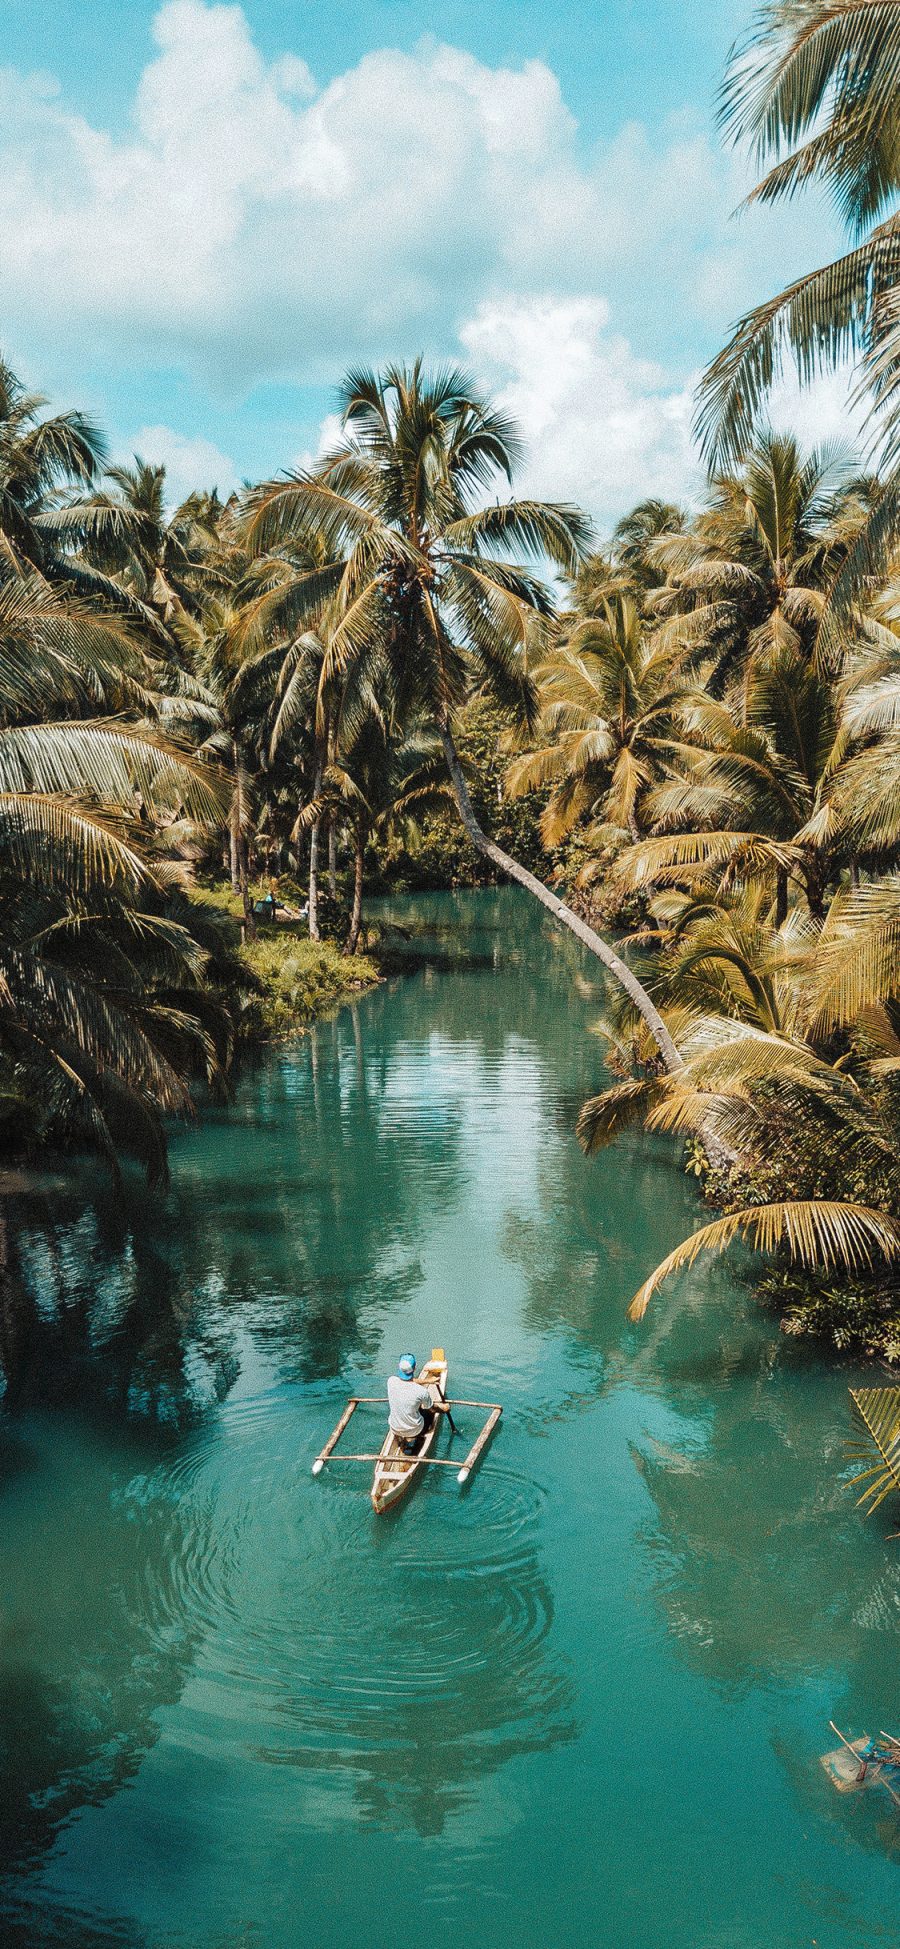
(293, 980)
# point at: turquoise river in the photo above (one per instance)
(580, 1703)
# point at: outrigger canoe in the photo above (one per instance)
(395, 1471)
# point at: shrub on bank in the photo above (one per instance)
(857, 1312)
(298, 979)
(291, 979)
(858, 1315)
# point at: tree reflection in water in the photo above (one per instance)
(83, 1666)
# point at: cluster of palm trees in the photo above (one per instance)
(733, 770)
(105, 1008)
(276, 679)
(723, 708)
(279, 680)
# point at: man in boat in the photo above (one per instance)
(412, 1408)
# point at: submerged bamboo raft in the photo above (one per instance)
(395, 1469)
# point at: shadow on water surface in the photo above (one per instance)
(292, 1214)
(83, 1667)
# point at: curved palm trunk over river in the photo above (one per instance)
(506, 864)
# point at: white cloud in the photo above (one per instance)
(329, 436)
(829, 411)
(255, 225)
(252, 225)
(189, 463)
(603, 427)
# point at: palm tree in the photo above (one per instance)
(786, 764)
(275, 646)
(162, 563)
(92, 973)
(609, 708)
(634, 538)
(784, 1035)
(166, 553)
(750, 573)
(418, 572)
(755, 797)
(38, 456)
(301, 721)
(377, 785)
(814, 91)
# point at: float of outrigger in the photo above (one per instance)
(395, 1468)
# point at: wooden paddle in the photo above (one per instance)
(442, 1397)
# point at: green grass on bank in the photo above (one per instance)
(295, 979)
(302, 978)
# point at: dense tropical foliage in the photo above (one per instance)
(813, 90)
(117, 987)
(361, 671)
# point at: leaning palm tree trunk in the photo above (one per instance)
(509, 866)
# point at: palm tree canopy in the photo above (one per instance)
(37, 457)
(418, 569)
(609, 708)
(814, 90)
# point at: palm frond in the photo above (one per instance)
(878, 1409)
(857, 962)
(111, 760)
(53, 842)
(604, 1117)
(816, 1232)
(559, 533)
(821, 318)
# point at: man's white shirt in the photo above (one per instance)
(407, 1399)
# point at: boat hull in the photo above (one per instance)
(395, 1472)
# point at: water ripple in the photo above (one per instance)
(324, 1632)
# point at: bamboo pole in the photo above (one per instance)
(844, 1741)
(495, 1406)
(334, 1438)
(425, 1461)
(373, 1400)
(478, 1447)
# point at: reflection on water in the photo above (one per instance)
(586, 1694)
(84, 1663)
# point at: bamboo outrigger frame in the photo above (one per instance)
(463, 1470)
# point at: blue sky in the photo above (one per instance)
(208, 211)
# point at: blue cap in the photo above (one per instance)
(406, 1365)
